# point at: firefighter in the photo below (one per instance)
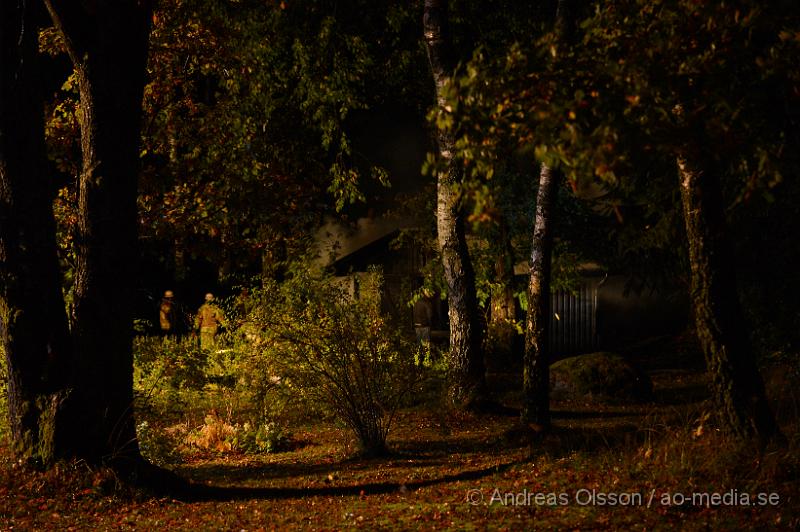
(208, 321)
(168, 314)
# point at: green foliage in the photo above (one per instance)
(330, 348)
(219, 435)
(175, 379)
(602, 107)
(223, 132)
(249, 105)
(302, 348)
(167, 372)
(602, 110)
(157, 445)
(263, 438)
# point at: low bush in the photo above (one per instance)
(329, 348)
(223, 435)
(263, 438)
(215, 434)
(167, 372)
(159, 446)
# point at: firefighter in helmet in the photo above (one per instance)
(208, 321)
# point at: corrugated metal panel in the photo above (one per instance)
(573, 327)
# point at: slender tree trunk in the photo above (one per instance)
(503, 308)
(536, 365)
(536, 362)
(107, 43)
(179, 259)
(468, 385)
(33, 319)
(737, 389)
(273, 257)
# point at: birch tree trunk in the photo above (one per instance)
(536, 360)
(536, 363)
(466, 364)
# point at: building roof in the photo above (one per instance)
(336, 240)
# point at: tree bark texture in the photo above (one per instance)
(536, 360)
(468, 384)
(107, 43)
(536, 364)
(736, 384)
(33, 319)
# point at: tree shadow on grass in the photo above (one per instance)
(616, 431)
(192, 492)
(561, 442)
(287, 470)
(576, 428)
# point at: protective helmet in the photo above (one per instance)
(169, 293)
(209, 297)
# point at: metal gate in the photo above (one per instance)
(573, 320)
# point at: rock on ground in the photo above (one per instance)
(601, 377)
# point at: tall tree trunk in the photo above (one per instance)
(468, 385)
(502, 331)
(33, 319)
(107, 43)
(736, 385)
(536, 361)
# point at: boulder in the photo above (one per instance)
(599, 377)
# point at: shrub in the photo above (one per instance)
(602, 377)
(215, 434)
(175, 381)
(221, 435)
(164, 368)
(263, 438)
(339, 350)
(158, 446)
